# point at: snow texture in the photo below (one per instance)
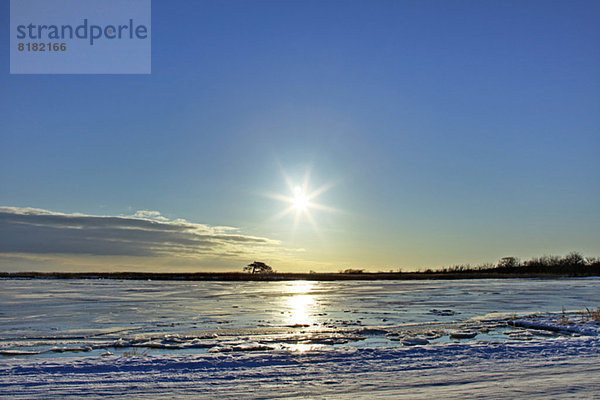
(551, 368)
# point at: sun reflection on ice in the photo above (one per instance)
(299, 287)
(304, 347)
(300, 303)
(300, 309)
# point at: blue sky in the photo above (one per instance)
(448, 131)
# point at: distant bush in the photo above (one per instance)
(509, 262)
(352, 271)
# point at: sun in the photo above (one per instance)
(300, 200)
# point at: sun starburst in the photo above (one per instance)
(301, 201)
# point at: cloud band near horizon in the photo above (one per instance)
(146, 233)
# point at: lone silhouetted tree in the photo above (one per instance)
(258, 267)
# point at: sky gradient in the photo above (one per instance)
(444, 132)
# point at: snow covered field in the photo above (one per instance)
(459, 339)
(557, 368)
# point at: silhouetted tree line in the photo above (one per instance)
(573, 264)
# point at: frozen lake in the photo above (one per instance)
(487, 339)
(40, 315)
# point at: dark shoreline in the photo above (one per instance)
(239, 276)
